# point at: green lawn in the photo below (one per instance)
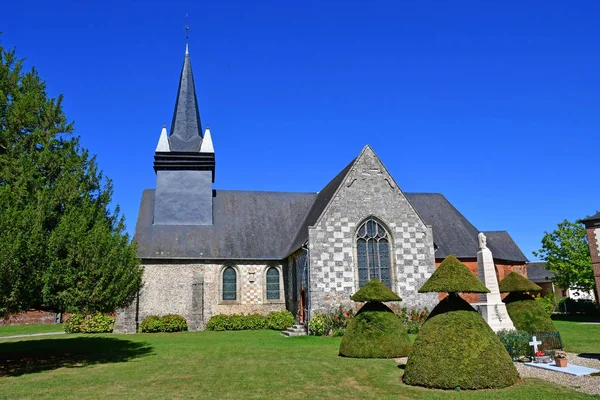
(579, 337)
(11, 330)
(214, 365)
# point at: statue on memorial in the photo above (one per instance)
(482, 241)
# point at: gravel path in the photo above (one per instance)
(586, 384)
(32, 335)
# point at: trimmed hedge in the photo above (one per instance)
(452, 276)
(375, 332)
(166, 323)
(280, 320)
(174, 323)
(96, 323)
(276, 320)
(456, 348)
(527, 314)
(374, 290)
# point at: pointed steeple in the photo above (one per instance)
(207, 144)
(163, 141)
(186, 128)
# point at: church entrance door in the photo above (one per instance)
(302, 306)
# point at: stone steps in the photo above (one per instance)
(296, 330)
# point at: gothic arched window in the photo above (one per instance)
(272, 284)
(229, 290)
(373, 253)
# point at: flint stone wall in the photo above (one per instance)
(194, 291)
(369, 190)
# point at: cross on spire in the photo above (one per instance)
(187, 30)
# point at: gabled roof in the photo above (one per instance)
(454, 234)
(537, 272)
(272, 225)
(322, 199)
(593, 218)
(246, 225)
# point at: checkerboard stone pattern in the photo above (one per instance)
(369, 190)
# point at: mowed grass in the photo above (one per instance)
(12, 330)
(215, 365)
(579, 337)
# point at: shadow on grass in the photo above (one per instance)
(593, 356)
(30, 356)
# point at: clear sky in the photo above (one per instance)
(494, 104)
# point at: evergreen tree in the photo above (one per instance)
(61, 247)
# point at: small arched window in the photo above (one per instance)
(229, 284)
(272, 284)
(373, 253)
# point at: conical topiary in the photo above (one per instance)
(452, 276)
(523, 309)
(375, 331)
(514, 282)
(374, 290)
(455, 346)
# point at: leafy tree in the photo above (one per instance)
(61, 247)
(567, 255)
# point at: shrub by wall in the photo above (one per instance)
(333, 323)
(280, 320)
(96, 323)
(174, 323)
(166, 323)
(276, 320)
(73, 324)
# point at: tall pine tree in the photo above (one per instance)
(61, 246)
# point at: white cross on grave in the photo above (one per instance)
(534, 342)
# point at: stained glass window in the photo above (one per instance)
(229, 284)
(373, 253)
(272, 284)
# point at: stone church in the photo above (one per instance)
(208, 252)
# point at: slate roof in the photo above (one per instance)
(246, 225)
(264, 225)
(186, 128)
(454, 234)
(593, 218)
(537, 272)
(323, 198)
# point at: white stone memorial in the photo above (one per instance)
(490, 305)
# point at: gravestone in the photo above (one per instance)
(490, 305)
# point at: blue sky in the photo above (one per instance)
(494, 104)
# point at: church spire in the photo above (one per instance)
(186, 128)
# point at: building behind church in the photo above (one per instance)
(208, 252)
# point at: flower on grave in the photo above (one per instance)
(560, 354)
(539, 353)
